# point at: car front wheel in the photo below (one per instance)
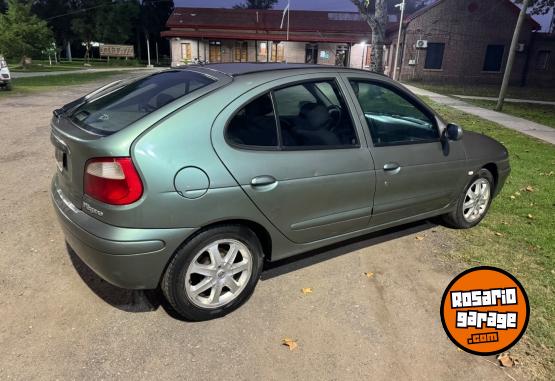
(214, 273)
(474, 202)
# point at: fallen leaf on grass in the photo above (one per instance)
(512, 197)
(498, 234)
(530, 217)
(291, 343)
(506, 361)
(369, 275)
(306, 290)
(517, 193)
(505, 223)
(419, 238)
(529, 188)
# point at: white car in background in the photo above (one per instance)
(5, 77)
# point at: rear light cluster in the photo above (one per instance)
(113, 180)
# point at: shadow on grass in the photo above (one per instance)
(137, 301)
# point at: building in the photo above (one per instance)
(540, 68)
(249, 35)
(447, 41)
(456, 41)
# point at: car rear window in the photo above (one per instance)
(116, 109)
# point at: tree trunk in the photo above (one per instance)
(378, 26)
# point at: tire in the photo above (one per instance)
(458, 219)
(184, 287)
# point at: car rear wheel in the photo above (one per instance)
(474, 202)
(214, 273)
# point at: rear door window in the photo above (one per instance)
(314, 115)
(114, 110)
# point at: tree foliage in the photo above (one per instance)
(23, 34)
(257, 4)
(539, 7)
(50, 11)
(107, 21)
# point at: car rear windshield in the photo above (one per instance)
(117, 107)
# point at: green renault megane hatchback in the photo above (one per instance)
(189, 180)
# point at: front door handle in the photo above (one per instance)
(392, 167)
(259, 181)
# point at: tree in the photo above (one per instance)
(23, 34)
(152, 19)
(53, 12)
(539, 7)
(116, 22)
(375, 14)
(257, 4)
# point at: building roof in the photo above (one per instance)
(252, 24)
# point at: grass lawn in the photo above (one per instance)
(535, 93)
(33, 68)
(76, 64)
(543, 114)
(45, 83)
(518, 234)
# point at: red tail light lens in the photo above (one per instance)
(113, 180)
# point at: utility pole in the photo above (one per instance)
(511, 58)
(149, 66)
(402, 6)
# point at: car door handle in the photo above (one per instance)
(259, 181)
(392, 167)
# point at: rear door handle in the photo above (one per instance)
(392, 167)
(259, 181)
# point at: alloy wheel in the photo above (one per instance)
(218, 273)
(476, 200)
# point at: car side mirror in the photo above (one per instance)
(453, 132)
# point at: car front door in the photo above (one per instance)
(417, 172)
(296, 152)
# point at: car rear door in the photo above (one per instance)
(417, 172)
(295, 150)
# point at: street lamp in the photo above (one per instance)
(402, 7)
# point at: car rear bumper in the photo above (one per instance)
(125, 257)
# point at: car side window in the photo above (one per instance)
(314, 115)
(391, 118)
(255, 124)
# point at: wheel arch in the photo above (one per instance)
(260, 231)
(492, 167)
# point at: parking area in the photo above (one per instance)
(60, 321)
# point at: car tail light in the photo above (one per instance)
(113, 180)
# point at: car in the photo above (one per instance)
(5, 77)
(189, 180)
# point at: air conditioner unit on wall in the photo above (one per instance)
(421, 44)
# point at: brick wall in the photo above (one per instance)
(537, 75)
(466, 27)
